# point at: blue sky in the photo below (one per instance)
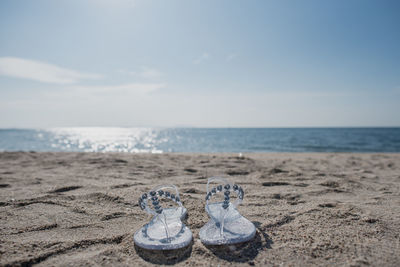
(199, 63)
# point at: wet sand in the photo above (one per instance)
(309, 209)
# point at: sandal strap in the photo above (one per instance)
(154, 196)
(226, 188)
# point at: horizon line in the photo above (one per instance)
(201, 127)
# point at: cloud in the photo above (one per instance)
(144, 72)
(150, 73)
(40, 71)
(136, 88)
(203, 57)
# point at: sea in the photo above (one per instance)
(201, 140)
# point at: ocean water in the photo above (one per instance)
(206, 140)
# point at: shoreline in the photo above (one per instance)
(309, 208)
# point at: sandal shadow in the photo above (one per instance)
(243, 252)
(166, 257)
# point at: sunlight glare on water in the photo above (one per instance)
(99, 139)
(201, 140)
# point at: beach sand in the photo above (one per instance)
(309, 209)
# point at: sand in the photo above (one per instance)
(309, 209)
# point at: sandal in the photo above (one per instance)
(166, 230)
(227, 225)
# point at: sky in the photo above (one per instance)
(227, 63)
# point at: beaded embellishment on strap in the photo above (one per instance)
(154, 196)
(227, 188)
